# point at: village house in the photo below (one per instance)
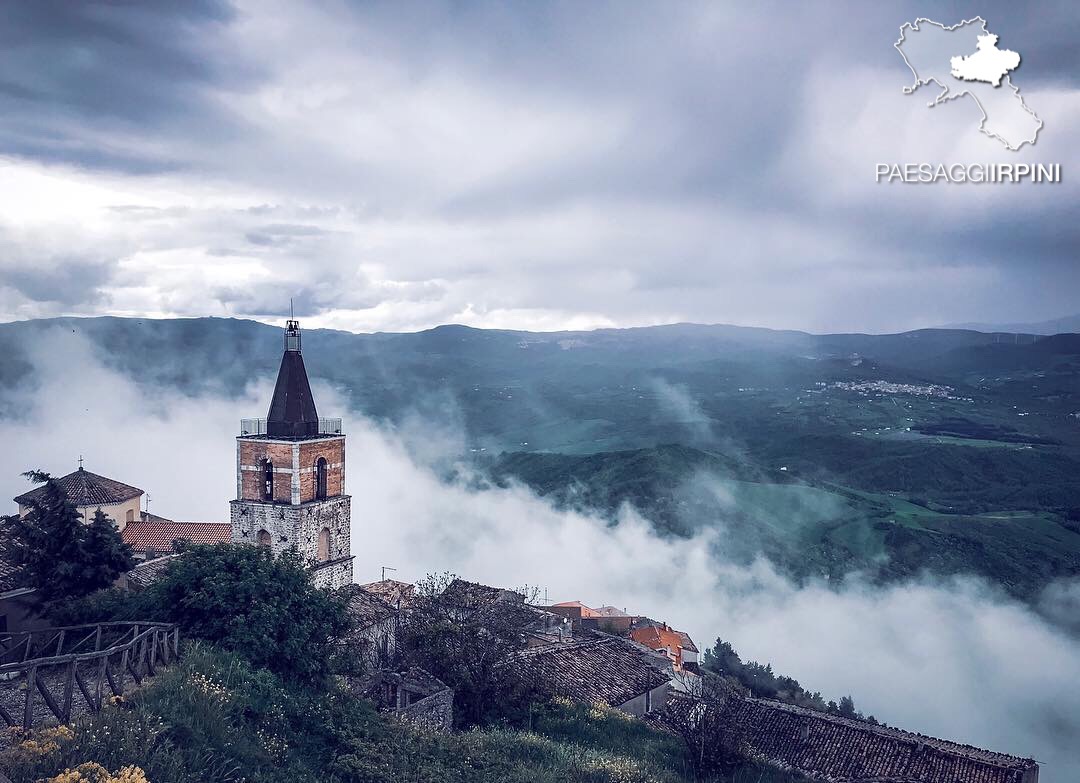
(607, 618)
(830, 748)
(90, 493)
(677, 647)
(148, 535)
(374, 638)
(607, 669)
(415, 695)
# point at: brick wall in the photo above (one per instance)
(252, 454)
(334, 454)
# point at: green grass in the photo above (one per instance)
(216, 719)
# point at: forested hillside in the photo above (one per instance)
(949, 450)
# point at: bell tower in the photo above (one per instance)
(290, 476)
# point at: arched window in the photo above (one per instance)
(263, 538)
(324, 545)
(320, 478)
(268, 480)
(130, 515)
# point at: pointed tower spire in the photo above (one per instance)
(292, 410)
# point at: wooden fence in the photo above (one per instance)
(91, 661)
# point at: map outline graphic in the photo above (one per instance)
(948, 93)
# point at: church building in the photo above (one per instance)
(290, 476)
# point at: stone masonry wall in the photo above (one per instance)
(433, 713)
(332, 513)
(333, 575)
(248, 517)
(299, 526)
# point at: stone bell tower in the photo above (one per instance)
(290, 476)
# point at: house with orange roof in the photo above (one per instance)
(679, 649)
(581, 609)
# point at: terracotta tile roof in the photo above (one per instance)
(687, 642)
(834, 749)
(662, 637)
(585, 610)
(473, 595)
(11, 577)
(84, 488)
(149, 571)
(393, 592)
(157, 534)
(609, 669)
(611, 611)
(367, 608)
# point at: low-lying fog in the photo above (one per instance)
(957, 660)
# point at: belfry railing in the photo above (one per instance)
(258, 426)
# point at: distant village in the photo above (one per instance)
(290, 495)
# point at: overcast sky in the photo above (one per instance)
(533, 165)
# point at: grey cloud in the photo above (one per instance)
(68, 281)
(73, 72)
(624, 163)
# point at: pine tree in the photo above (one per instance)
(56, 553)
(105, 555)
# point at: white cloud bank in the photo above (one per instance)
(957, 660)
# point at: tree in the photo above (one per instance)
(107, 554)
(715, 743)
(466, 641)
(243, 598)
(56, 553)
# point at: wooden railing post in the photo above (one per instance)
(69, 692)
(28, 707)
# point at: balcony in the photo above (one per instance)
(258, 426)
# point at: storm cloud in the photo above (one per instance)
(539, 167)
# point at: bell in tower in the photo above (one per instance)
(290, 476)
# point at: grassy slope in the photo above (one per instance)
(217, 720)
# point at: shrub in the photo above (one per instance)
(244, 599)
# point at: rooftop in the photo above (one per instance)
(11, 577)
(831, 748)
(154, 533)
(367, 608)
(585, 610)
(292, 409)
(610, 669)
(85, 489)
(395, 593)
(149, 571)
(472, 595)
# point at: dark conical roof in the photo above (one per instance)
(292, 410)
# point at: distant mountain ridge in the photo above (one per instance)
(943, 449)
(1066, 324)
